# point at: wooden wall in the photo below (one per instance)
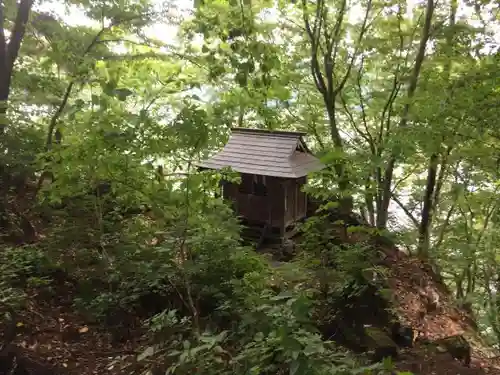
(296, 200)
(257, 208)
(283, 204)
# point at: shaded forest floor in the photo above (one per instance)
(419, 360)
(50, 329)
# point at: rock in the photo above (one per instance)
(381, 343)
(457, 346)
(288, 248)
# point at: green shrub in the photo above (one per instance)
(194, 267)
(275, 336)
(21, 267)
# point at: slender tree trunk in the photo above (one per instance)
(9, 52)
(459, 285)
(445, 225)
(8, 56)
(426, 217)
(369, 201)
(406, 211)
(325, 40)
(389, 170)
(442, 176)
(433, 186)
(431, 200)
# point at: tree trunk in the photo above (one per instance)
(325, 42)
(8, 54)
(389, 170)
(369, 201)
(433, 187)
(426, 217)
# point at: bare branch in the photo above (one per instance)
(330, 61)
(419, 59)
(353, 123)
(389, 170)
(356, 50)
(314, 36)
(396, 85)
(446, 222)
(370, 139)
(406, 211)
(405, 177)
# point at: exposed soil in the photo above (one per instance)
(425, 304)
(420, 360)
(55, 334)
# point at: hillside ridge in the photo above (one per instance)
(419, 299)
(423, 302)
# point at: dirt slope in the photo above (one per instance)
(425, 304)
(52, 334)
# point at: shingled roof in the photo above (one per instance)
(267, 153)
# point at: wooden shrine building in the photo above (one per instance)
(273, 167)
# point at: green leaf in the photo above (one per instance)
(259, 336)
(282, 296)
(297, 367)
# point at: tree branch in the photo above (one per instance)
(330, 61)
(406, 211)
(314, 36)
(8, 54)
(369, 137)
(356, 50)
(350, 116)
(57, 114)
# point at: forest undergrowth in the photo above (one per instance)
(118, 255)
(221, 307)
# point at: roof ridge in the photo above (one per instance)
(268, 132)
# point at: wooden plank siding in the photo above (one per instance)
(263, 209)
(295, 201)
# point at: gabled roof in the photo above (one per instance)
(265, 152)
